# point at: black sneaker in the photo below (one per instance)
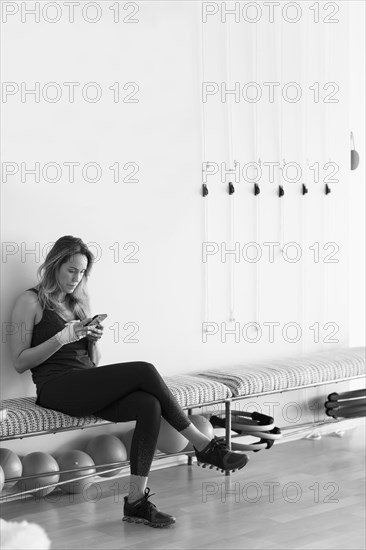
(144, 511)
(217, 454)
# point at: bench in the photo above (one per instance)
(291, 373)
(204, 388)
(26, 419)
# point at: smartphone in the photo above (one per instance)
(96, 319)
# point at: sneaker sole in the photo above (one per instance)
(132, 519)
(211, 466)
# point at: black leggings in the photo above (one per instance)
(119, 393)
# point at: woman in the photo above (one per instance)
(62, 353)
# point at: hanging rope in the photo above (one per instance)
(205, 212)
(326, 195)
(231, 188)
(257, 273)
(305, 166)
(281, 189)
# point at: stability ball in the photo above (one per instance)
(204, 426)
(105, 449)
(2, 479)
(69, 460)
(11, 465)
(169, 439)
(39, 463)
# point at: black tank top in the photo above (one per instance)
(68, 357)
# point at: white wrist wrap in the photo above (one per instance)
(67, 335)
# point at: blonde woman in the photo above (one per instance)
(62, 352)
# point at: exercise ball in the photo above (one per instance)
(11, 465)
(105, 449)
(204, 426)
(127, 441)
(2, 479)
(169, 439)
(69, 460)
(39, 463)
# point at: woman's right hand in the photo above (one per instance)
(73, 331)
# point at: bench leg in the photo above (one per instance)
(190, 458)
(228, 426)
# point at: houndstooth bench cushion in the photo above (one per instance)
(25, 417)
(253, 378)
(191, 390)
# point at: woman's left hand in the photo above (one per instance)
(94, 333)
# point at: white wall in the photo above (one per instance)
(357, 245)
(163, 294)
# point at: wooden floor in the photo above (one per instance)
(305, 494)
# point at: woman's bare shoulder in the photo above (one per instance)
(27, 300)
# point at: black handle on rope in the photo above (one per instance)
(231, 188)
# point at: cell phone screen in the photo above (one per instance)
(96, 319)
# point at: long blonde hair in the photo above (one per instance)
(49, 287)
